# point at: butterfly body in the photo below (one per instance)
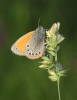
(30, 45)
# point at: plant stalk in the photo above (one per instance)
(58, 82)
(58, 78)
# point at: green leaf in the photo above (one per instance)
(52, 73)
(41, 66)
(60, 38)
(58, 47)
(51, 49)
(53, 78)
(45, 58)
(46, 61)
(52, 53)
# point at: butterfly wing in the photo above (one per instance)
(19, 46)
(35, 53)
(30, 45)
(35, 46)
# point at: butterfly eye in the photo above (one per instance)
(27, 45)
(29, 53)
(27, 49)
(16, 48)
(32, 53)
(39, 52)
(36, 54)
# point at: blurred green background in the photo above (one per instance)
(21, 78)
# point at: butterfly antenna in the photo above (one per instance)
(39, 21)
